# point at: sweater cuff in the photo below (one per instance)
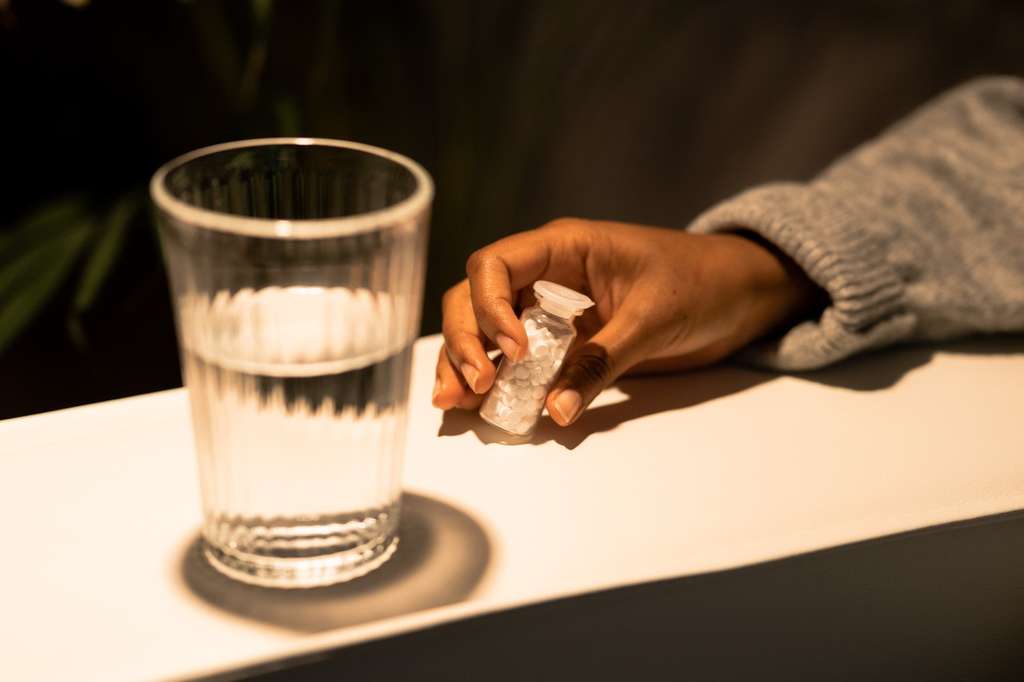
(836, 251)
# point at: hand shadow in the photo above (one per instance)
(651, 394)
(884, 368)
(645, 395)
(442, 556)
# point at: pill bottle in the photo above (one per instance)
(516, 399)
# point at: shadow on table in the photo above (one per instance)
(884, 368)
(662, 393)
(645, 395)
(441, 559)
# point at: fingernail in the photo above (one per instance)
(437, 389)
(567, 404)
(471, 374)
(508, 346)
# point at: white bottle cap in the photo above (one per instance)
(559, 300)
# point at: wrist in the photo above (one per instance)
(779, 292)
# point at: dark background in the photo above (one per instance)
(523, 111)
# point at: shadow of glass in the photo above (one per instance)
(646, 395)
(442, 557)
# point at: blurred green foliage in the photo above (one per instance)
(75, 236)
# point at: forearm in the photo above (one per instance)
(918, 234)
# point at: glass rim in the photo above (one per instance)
(287, 228)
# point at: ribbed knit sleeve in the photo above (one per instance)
(917, 235)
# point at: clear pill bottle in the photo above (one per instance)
(516, 400)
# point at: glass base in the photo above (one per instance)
(305, 572)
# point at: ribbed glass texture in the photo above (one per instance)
(296, 269)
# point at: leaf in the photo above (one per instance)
(287, 112)
(41, 225)
(217, 42)
(30, 281)
(104, 253)
(77, 333)
(261, 13)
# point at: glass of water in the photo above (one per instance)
(296, 269)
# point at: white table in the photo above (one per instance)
(667, 476)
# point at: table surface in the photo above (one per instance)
(664, 477)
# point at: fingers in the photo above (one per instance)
(462, 339)
(591, 367)
(496, 274)
(450, 389)
(481, 307)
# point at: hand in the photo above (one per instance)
(665, 300)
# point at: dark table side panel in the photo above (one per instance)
(945, 603)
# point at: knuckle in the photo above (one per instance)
(573, 227)
(453, 294)
(564, 223)
(452, 331)
(489, 304)
(444, 366)
(452, 355)
(460, 345)
(476, 261)
(463, 339)
(590, 367)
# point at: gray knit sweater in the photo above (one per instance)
(916, 235)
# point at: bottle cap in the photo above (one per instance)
(559, 300)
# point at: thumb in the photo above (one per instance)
(592, 366)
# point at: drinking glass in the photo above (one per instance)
(296, 268)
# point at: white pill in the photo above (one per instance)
(521, 372)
